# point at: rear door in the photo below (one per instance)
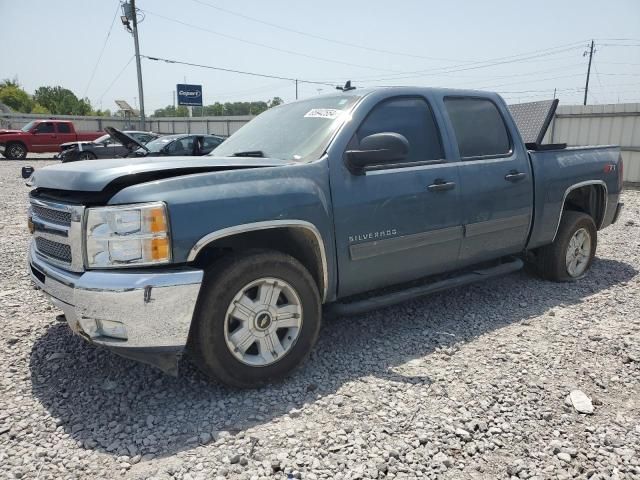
(65, 133)
(496, 184)
(397, 223)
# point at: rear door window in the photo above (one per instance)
(64, 128)
(479, 127)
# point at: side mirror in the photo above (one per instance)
(377, 149)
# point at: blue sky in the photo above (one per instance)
(374, 42)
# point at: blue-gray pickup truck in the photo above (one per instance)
(345, 202)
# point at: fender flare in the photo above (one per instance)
(267, 225)
(579, 185)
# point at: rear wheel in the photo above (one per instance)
(258, 318)
(571, 254)
(15, 151)
(87, 156)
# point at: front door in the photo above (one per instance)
(398, 222)
(44, 138)
(496, 184)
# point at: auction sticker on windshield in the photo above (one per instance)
(330, 113)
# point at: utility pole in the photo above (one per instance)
(296, 88)
(130, 15)
(586, 87)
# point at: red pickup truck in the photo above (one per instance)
(41, 136)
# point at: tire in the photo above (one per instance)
(552, 262)
(15, 151)
(236, 344)
(86, 156)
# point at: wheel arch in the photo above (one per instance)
(589, 197)
(298, 238)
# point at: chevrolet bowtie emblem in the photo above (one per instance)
(31, 226)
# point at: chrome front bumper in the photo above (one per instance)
(140, 314)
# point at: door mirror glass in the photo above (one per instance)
(378, 149)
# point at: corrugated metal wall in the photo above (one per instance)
(215, 125)
(614, 124)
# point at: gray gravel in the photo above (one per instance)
(470, 383)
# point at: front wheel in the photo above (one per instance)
(571, 254)
(258, 318)
(15, 151)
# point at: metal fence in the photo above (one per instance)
(166, 125)
(613, 124)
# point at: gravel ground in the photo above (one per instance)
(470, 383)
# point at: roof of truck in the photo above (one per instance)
(408, 88)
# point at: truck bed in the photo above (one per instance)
(557, 172)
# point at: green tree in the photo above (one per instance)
(37, 108)
(12, 95)
(275, 101)
(62, 101)
(171, 111)
(218, 109)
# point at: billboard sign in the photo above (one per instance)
(189, 95)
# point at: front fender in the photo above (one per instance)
(200, 205)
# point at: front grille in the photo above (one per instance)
(51, 215)
(56, 250)
(58, 233)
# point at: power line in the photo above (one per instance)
(104, 45)
(116, 78)
(326, 39)
(524, 74)
(532, 81)
(270, 47)
(241, 72)
(619, 44)
(475, 66)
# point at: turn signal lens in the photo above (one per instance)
(160, 249)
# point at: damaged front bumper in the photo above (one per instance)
(140, 314)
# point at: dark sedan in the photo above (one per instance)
(181, 144)
(104, 147)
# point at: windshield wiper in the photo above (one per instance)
(249, 153)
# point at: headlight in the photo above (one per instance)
(128, 235)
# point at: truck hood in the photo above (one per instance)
(119, 173)
(10, 132)
(125, 140)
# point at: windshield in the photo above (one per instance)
(298, 131)
(158, 144)
(28, 126)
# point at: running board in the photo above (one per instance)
(385, 300)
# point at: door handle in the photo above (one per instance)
(514, 176)
(441, 185)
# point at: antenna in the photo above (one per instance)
(347, 87)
